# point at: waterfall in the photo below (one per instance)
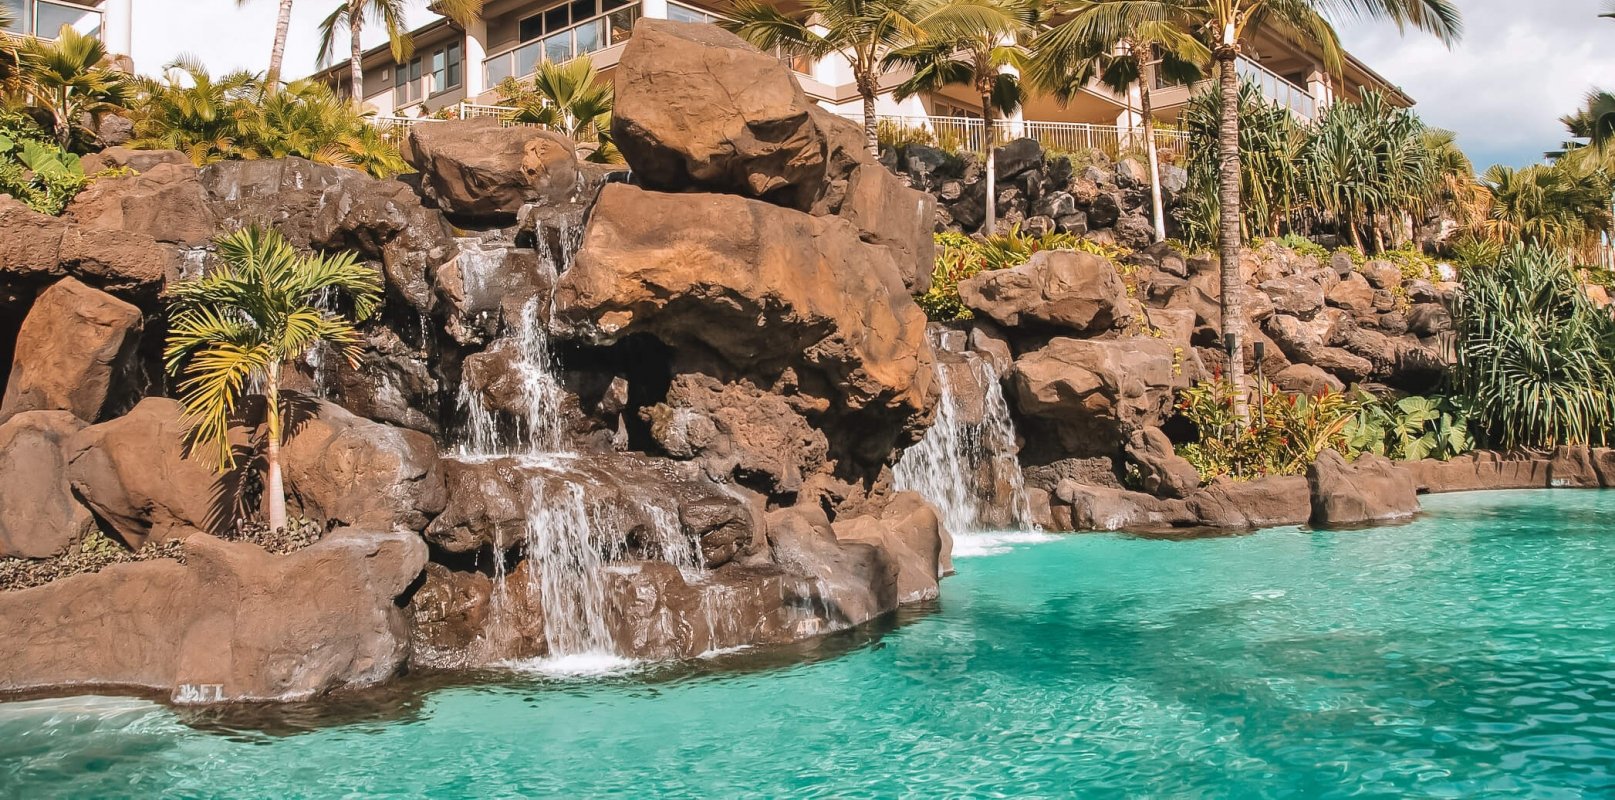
(968, 469)
(540, 424)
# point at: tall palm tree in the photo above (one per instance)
(69, 78)
(351, 16)
(1228, 25)
(243, 321)
(277, 51)
(568, 98)
(980, 44)
(1150, 40)
(861, 31)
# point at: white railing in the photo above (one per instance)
(1277, 88)
(968, 134)
(46, 18)
(396, 128)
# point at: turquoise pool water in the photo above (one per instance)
(1469, 654)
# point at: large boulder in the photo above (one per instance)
(738, 433)
(1162, 471)
(1056, 290)
(698, 109)
(134, 473)
(126, 263)
(908, 529)
(349, 471)
(231, 623)
(30, 243)
(1091, 394)
(75, 353)
(39, 516)
(770, 294)
(858, 578)
(166, 202)
(1260, 503)
(1085, 507)
(1371, 489)
(1481, 471)
(480, 169)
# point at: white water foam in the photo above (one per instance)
(973, 545)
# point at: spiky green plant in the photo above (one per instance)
(1535, 357)
(1564, 205)
(568, 98)
(70, 79)
(240, 323)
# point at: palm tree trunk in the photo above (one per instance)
(1146, 80)
(1229, 233)
(276, 486)
(871, 139)
(356, 66)
(277, 52)
(989, 227)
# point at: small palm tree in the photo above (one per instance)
(244, 320)
(71, 80)
(567, 98)
(1122, 51)
(351, 15)
(980, 44)
(187, 109)
(861, 31)
(277, 50)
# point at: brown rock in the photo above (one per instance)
(123, 262)
(481, 170)
(165, 202)
(30, 242)
(908, 530)
(1371, 489)
(141, 161)
(74, 352)
(1260, 503)
(350, 471)
(133, 473)
(39, 516)
(767, 291)
(739, 433)
(1296, 295)
(1307, 379)
(699, 109)
(1354, 294)
(1092, 394)
(1058, 290)
(1164, 472)
(1100, 508)
(231, 623)
(859, 580)
(1480, 471)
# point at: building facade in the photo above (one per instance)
(111, 21)
(452, 66)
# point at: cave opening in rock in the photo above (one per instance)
(644, 363)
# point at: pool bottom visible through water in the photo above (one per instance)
(1470, 653)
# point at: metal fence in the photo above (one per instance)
(396, 129)
(965, 134)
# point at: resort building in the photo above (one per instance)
(454, 66)
(111, 21)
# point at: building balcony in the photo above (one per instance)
(45, 19)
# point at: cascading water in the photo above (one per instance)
(572, 535)
(968, 469)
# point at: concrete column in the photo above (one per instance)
(476, 49)
(655, 9)
(1015, 122)
(118, 27)
(1321, 89)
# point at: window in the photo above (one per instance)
(563, 16)
(680, 13)
(433, 73)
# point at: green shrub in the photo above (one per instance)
(960, 257)
(1303, 246)
(1414, 264)
(36, 171)
(1283, 434)
(1535, 357)
(1411, 428)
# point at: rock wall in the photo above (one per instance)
(728, 353)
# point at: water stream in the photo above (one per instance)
(967, 467)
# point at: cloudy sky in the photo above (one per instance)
(1520, 66)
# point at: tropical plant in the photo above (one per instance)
(351, 15)
(980, 44)
(240, 323)
(190, 111)
(306, 119)
(277, 50)
(569, 98)
(1535, 357)
(1126, 50)
(1228, 24)
(69, 78)
(1283, 438)
(1271, 144)
(862, 32)
(36, 171)
(1563, 205)
(1411, 428)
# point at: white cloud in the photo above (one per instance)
(1505, 85)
